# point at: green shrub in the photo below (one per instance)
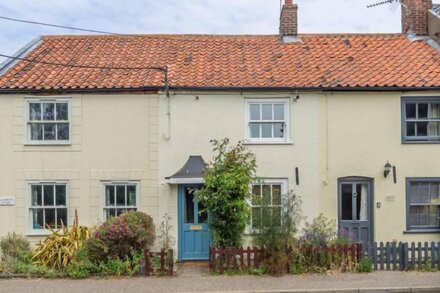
(33, 270)
(60, 248)
(227, 191)
(121, 236)
(298, 264)
(81, 267)
(366, 265)
(13, 245)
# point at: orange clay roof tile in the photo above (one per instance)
(215, 61)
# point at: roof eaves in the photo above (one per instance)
(9, 63)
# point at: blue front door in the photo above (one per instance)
(194, 235)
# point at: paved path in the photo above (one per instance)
(197, 283)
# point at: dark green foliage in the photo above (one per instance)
(366, 265)
(227, 190)
(121, 236)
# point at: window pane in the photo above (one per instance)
(120, 212)
(36, 131)
(278, 111)
(434, 129)
(266, 195)
(62, 113)
(61, 217)
(346, 202)
(433, 216)
(413, 193)
(256, 218)
(37, 219)
(120, 195)
(414, 216)
(60, 193)
(37, 197)
(424, 216)
(48, 195)
(422, 128)
(410, 110)
(361, 202)
(435, 110)
(267, 111)
(410, 129)
(276, 194)
(276, 215)
(266, 130)
(266, 216)
(34, 111)
(435, 192)
(131, 195)
(49, 131)
(48, 111)
(423, 193)
(254, 130)
(189, 206)
(110, 213)
(63, 131)
(255, 111)
(423, 110)
(203, 216)
(256, 195)
(278, 130)
(50, 218)
(109, 195)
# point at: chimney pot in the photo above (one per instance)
(288, 2)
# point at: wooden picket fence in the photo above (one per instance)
(165, 266)
(404, 256)
(245, 259)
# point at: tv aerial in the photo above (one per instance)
(394, 4)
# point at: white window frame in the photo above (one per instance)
(115, 183)
(269, 140)
(28, 140)
(284, 192)
(45, 231)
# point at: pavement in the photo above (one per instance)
(386, 281)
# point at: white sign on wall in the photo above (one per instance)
(6, 201)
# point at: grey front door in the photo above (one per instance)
(356, 208)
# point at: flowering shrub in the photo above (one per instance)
(121, 236)
(321, 231)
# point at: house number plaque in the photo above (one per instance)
(6, 201)
(196, 227)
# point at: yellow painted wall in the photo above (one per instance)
(114, 137)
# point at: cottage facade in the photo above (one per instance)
(108, 124)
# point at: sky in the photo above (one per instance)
(189, 17)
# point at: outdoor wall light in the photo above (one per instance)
(387, 169)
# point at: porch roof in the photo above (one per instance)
(191, 172)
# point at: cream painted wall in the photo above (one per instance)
(333, 135)
(114, 138)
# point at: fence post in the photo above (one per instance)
(359, 251)
(220, 262)
(171, 264)
(248, 253)
(148, 265)
(375, 255)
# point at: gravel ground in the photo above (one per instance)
(193, 283)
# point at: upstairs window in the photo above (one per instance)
(421, 119)
(48, 122)
(267, 120)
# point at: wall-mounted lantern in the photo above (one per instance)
(387, 169)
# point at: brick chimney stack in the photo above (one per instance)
(289, 20)
(415, 16)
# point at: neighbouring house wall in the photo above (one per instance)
(334, 135)
(114, 138)
(434, 26)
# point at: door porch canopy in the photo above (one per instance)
(191, 173)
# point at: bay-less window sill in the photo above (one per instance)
(420, 141)
(37, 233)
(48, 144)
(422, 231)
(248, 142)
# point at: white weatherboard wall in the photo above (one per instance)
(114, 138)
(334, 135)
